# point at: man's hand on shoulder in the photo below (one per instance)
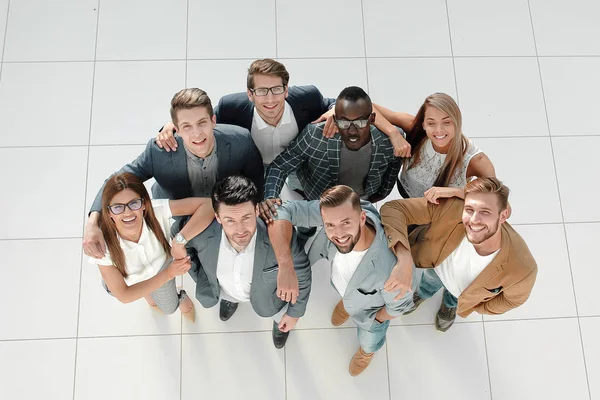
(165, 139)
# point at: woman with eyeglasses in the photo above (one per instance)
(139, 260)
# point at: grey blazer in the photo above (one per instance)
(236, 154)
(365, 294)
(204, 251)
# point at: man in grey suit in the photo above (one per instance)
(233, 260)
(212, 152)
(354, 241)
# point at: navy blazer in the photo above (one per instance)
(236, 155)
(307, 104)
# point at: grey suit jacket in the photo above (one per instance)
(365, 294)
(204, 250)
(236, 154)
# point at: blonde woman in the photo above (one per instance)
(138, 262)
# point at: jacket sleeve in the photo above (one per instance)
(301, 213)
(304, 274)
(287, 162)
(142, 167)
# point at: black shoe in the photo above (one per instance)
(445, 318)
(227, 309)
(416, 303)
(279, 338)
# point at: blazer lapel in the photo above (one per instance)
(333, 153)
(363, 270)
(209, 254)
(179, 161)
(457, 235)
(260, 256)
(223, 156)
(496, 267)
(376, 159)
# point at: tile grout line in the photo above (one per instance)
(276, 45)
(187, 44)
(85, 194)
(487, 360)
(4, 40)
(452, 52)
(587, 378)
(387, 358)
(362, 11)
(285, 383)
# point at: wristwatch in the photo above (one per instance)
(179, 239)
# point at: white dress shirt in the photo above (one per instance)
(144, 259)
(273, 140)
(461, 267)
(234, 270)
(343, 267)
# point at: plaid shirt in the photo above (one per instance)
(316, 161)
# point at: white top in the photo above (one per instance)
(461, 267)
(420, 178)
(234, 270)
(273, 140)
(144, 259)
(343, 267)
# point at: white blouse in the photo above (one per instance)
(144, 259)
(420, 178)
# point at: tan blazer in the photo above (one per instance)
(503, 285)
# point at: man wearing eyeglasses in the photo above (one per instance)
(359, 156)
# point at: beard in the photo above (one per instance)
(478, 238)
(350, 246)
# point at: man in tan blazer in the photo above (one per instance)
(467, 247)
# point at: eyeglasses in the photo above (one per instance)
(133, 205)
(345, 124)
(263, 91)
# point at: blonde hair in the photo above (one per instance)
(267, 66)
(490, 186)
(190, 98)
(458, 147)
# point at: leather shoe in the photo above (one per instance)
(279, 338)
(227, 309)
(416, 303)
(445, 318)
(339, 315)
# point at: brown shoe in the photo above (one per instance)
(360, 362)
(339, 315)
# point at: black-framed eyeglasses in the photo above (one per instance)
(133, 205)
(345, 124)
(263, 91)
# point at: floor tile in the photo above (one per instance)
(487, 89)
(590, 331)
(64, 31)
(207, 319)
(578, 22)
(39, 369)
(103, 315)
(485, 28)
(62, 103)
(141, 30)
(330, 76)
(3, 17)
(316, 38)
(448, 359)
(527, 208)
(389, 24)
(128, 368)
(582, 240)
(524, 355)
(218, 77)
(47, 306)
(242, 365)
(223, 30)
(402, 84)
(570, 85)
(132, 99)
(574, 177)
(548, 246)
(317, 367)
(59, 176)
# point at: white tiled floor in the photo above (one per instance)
(85, 83)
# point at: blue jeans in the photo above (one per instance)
(430, 284)
(371, 340)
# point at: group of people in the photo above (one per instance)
(216, 211)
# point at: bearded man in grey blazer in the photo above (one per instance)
(354, 241)
(233, 260)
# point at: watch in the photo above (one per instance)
(179, 239)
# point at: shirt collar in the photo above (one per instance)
(143, 237)
(286, 117)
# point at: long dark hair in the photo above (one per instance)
(114, 185)
(458, 147)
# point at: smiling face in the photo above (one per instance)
(271, 106)
(354, 138)
(195, 126)
(439, 128)
(482, 217)
(239, 223)
(343, 225)
(128, 223)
